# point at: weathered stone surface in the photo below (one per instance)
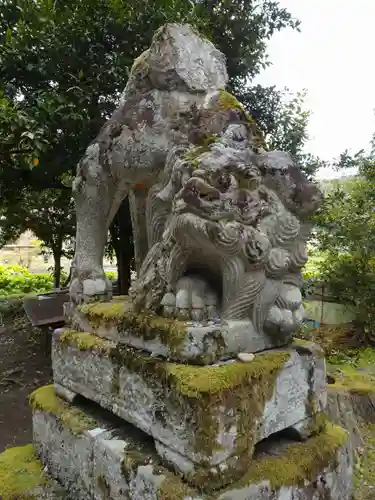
(203, 419)
(159, 110)
(185, 341)
(180, 59)
(219, 223)
(121, 463)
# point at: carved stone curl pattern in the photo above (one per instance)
(227, 235)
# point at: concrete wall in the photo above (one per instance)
(328, 313)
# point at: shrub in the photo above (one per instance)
(111, 275)
(351, 279)
(17, 280)
(346, 231)
(311, 273)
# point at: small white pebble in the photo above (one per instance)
(245, 357)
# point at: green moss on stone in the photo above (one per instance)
(307, 347)
(228, 101)
(197, 381)
(300, 462)
(172, 333)
(20, 473)
(45, 399)
(85, 342)
(193, 154)
(172, 488)
(318, 424)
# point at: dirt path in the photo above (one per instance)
(24, 366)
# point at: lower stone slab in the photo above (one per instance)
(205, 421)
(99, 457)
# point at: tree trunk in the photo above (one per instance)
(123, 271)
(122, 241)
(67, 281)
(57, 253)
(57, 269)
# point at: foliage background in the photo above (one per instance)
(63, 67)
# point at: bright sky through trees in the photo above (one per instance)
(332, 59)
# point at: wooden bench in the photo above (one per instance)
(46, 311)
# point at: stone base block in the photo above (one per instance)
(205, 421)
(182, 341)
(98, 457)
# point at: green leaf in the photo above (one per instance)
(8, 35)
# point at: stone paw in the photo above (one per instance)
(284, 321)
(90, 289)
(193, 301)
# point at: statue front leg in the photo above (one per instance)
(96, 195)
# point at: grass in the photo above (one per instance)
(365, 467)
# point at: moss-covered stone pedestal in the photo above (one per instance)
(98, 456)
(121, 423)
(186, 342)
(205, 420)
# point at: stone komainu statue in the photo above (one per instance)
(231, 407)
(219, 223)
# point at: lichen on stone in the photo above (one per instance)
(140, 64)
(20, 473)
(300, 462)
(192, 155)
(45, 399)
